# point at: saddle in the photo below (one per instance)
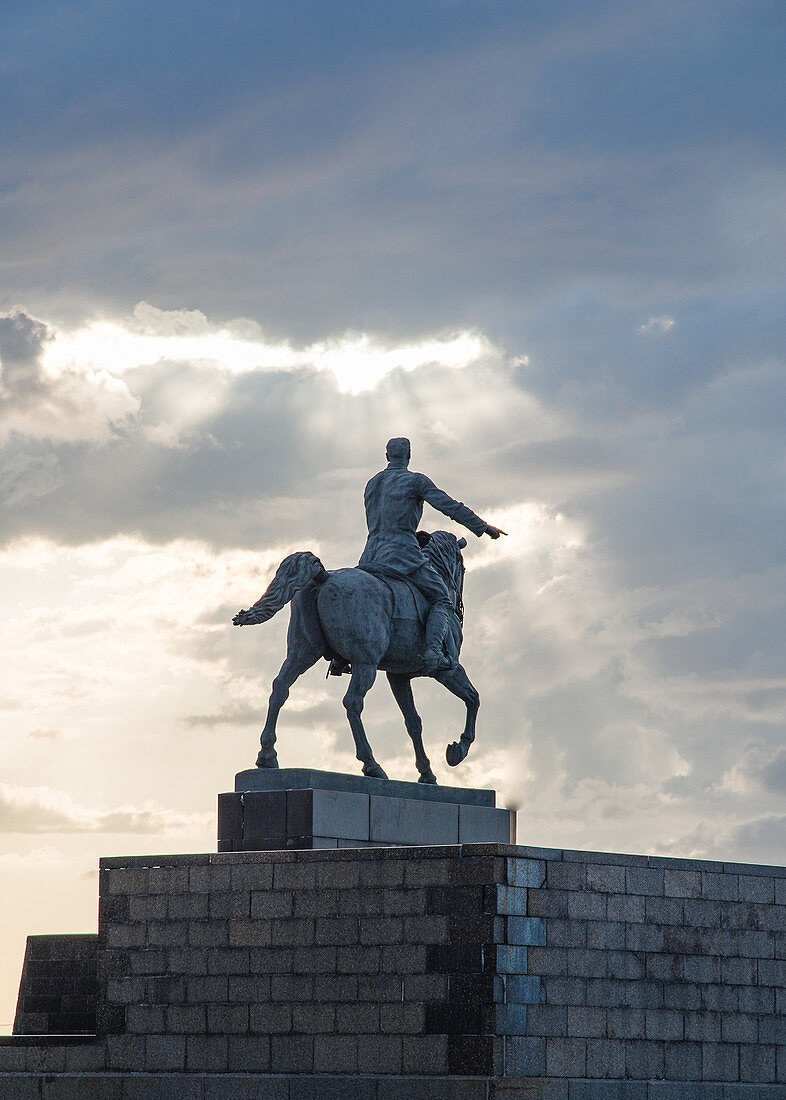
(409, 605)
(408, 601)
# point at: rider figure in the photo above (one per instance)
(394, 505)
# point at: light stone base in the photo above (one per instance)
(274, 809)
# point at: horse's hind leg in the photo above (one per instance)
(295, 664)
(457, 681)
(363, 676)
(401, 686)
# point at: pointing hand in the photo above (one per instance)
(494, 532)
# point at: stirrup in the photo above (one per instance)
(338, 666)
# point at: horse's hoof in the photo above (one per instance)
(455, 753)
(264, 761)
(373, 771)
(429, 777)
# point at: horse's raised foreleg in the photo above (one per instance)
(401, 686)
(294, 665)
(363, 676)
(457, 681)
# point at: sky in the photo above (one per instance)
(243, 244)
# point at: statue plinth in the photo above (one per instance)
(300, 808)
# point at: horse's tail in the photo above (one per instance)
(294, 573)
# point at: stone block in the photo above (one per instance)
(605, 878)
(424, 1054)
(481, 1055)
(292, 1054)
(567, 933)
(720, 1062)
(644, 880)
(583, 905)
(566, 1057)
(605, 1058)
(564, 990)
(230, 816)
(248, 1054)
(756, 888)
(164, 1052)
(608, 1090)
(408, 822)
(625, 1023)
(645, 937)
(336, 1053)
(602, 935)
(584, 1022)
(526, 872)
(207, 1053)
(506, 900)
(270, 904)
(527, 931)
(380, 1054)
(629, 908)
(758, 1063)
(524, 1057)
(547, 1020)
(585, 963)
(243, 1086)
(340, 814)
(270, 1019)
(719, 886)
(663, 1024)
(644, 1059)
(720, 998)
(484, 824)
(18, 1087)
(681, 995)
(154, 1087)
(682, 884)
(682, 1061)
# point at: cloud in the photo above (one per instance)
(356, 360)
(657, 326)
(235, 714)
(72, 404)
(43, 734)
(32, 810)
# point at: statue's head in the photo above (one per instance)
(398, 450)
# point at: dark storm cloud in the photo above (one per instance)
(322, 166)
(22, 339)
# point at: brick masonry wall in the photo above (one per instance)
(475, 970)
(57, 991)
(646, 968)
(483, 960)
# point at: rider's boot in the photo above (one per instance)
(434, 657)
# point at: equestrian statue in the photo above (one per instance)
(399, 611)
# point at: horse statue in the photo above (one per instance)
(364, 621)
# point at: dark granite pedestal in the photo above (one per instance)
(274, 809)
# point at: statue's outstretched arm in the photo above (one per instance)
(457, 511)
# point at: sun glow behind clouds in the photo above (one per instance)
(357, 360)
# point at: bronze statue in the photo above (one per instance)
(399, 611)
(394, 505)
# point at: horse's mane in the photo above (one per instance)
(442, 550)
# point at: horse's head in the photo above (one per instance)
(443, 550)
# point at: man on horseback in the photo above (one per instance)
(394, 505)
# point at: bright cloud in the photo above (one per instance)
(358, 360)
(657, 326)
